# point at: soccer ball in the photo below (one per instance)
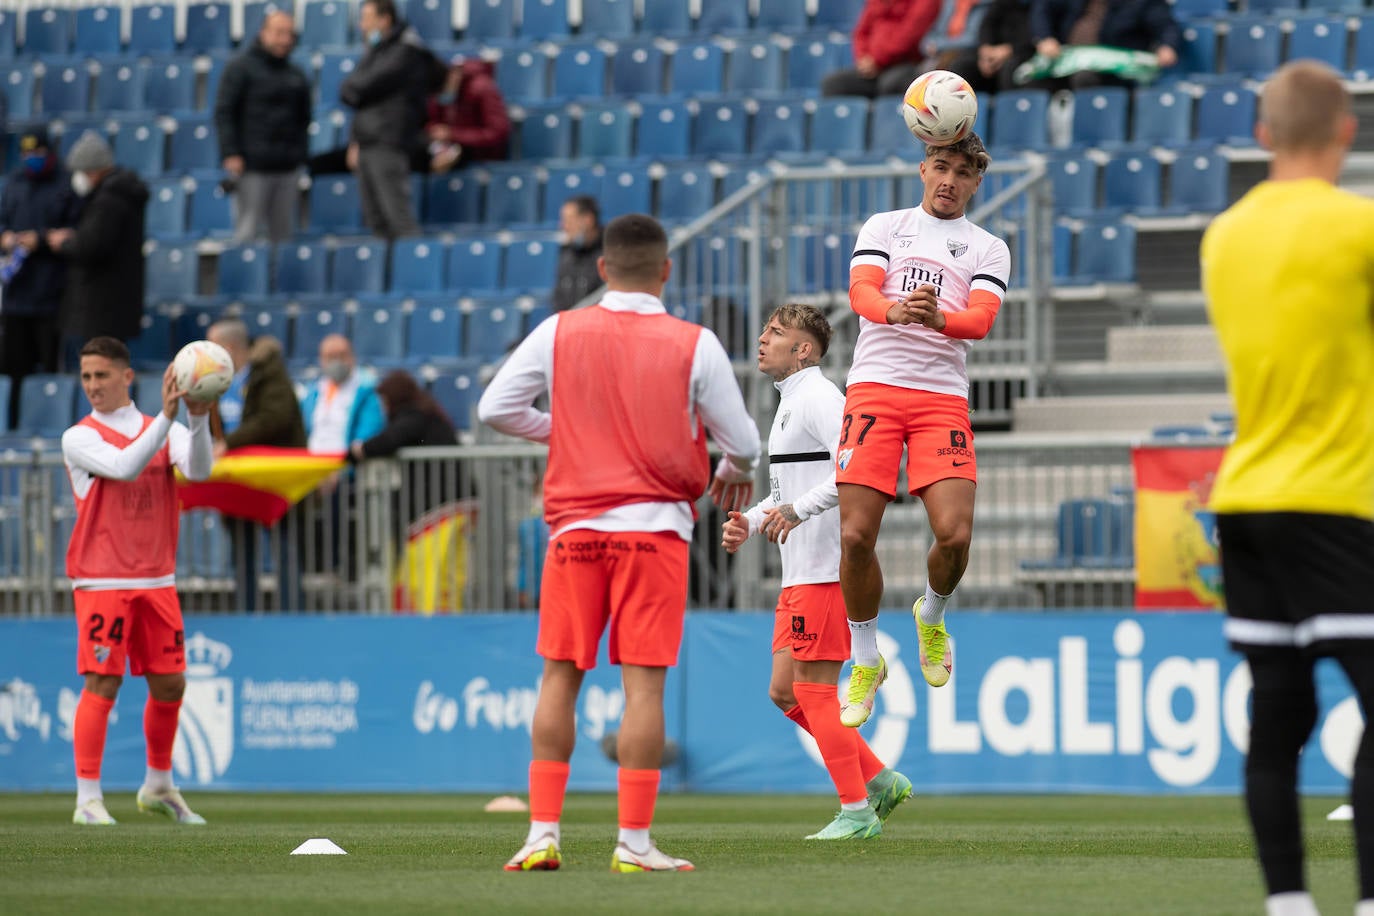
(940, 108)
(203, 370)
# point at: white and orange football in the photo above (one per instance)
(203, 370)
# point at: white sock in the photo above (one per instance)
(863, 641)
(933, 610)
(1290, 903)
(637, 840)
(543, 828)
(157, 780)
(87, 789)
(854, 806)
(1364, 907)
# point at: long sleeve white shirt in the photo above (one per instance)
(88, 456)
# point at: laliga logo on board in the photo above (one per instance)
(205, 733)
(896, 705)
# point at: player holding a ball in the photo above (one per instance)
(121, 560)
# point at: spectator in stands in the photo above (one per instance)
(262, 115)
(1133, 25)
(1004, 43)
(260, 408)
(388, 91)
(104, 253)
(341, 406)
(37, 197)
(580, 220)
(467, 119)
(887, 48)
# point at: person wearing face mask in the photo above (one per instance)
(37, 197)
(388, 91)
(104, 252)
(580, 221)
(467, 119)
(341, 406)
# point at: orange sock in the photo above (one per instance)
(160, 731)
(869, 764)
(638, 795)
(88, 733)
(548, 785)
(839, 745)
(796, 715)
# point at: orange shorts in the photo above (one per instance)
(880, 419)
(811, 621)
(142, 625)
(636, 581)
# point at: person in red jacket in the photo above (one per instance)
(467, 119)
(887, 48)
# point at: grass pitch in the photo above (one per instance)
(443, 854)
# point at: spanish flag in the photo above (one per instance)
(259, 483)
(1176, 559)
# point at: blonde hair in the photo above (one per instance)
(806, 318)
(1302, 106)
(971, 148)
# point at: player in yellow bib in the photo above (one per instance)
(1288, 274)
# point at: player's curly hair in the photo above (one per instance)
(971, 147)
(805, 318)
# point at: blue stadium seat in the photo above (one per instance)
(546, 132)
(1252, 46)
(139, 146)
(269, 320)
(433, 19)
(19, 91)
(1084, 530)
(194, 145)
(489, 19)
(685, 192)
(512, 196)
(1363, 64)
(152, 29)
(782, 15)
(811, 58)
(457, 391)
(254, 11)
(625, 190)
(1105, 252)
(379, 334)
(417, 265)
(474, 266)
(566, 181)
(244, 270)
(493, 327)
(1320, 38)
(172, 271)
(300, 267)
(8, 37)
(779, 126)
(119, 87)
(47, 405)
(839, 15)
(1074, 180)
(325, 24)
(1198, 180)
(98, 30)
(334, 205)
(754, 66)
(1199, 52)
(66, 89)
(211, 209)
(721, 128)
(1062, 254)
(334, 68)
(530, 264)
(1226, 114)
(697, 68)
(359, 266)
(152, 348)
(47, 31)
(73, 128)
(606, 131)
(839, 125)
(1099, 116)
(544, 19)
(664, 129)
(1163, 116)
(888, 132)
(435, 330)
(148, 398)
(666, 17)
(453, 199)
(1132, 180)
(207, 28)
(166, 211)
(1266, 7)
(1020, 119)
(579, 71)
(1336, 6)
(636, 68)
(536, 316)
(329, 129)
(719, 16)
(521, 74)
(203, 549)
(1200, 8)
(313, 325)
(170, 84)
(608, 18)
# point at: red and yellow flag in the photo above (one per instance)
(259, 483)
(1176, 560)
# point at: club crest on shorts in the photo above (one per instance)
(956, 247)
(102, 653)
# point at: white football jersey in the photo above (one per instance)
(801, 471)
(914, 248)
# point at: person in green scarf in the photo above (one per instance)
(1090, 36)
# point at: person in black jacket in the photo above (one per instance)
(580, 220)
(104, 253)
(388, 91)
(262, 115)
(413, 417)
(37, 197)
(1136, 25)
(1004, 43)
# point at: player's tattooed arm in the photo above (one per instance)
(779, 521)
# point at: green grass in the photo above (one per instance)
(442, 853)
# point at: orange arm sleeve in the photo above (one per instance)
(865, 293)
(974, 322)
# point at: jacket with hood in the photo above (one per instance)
(271, 414)
(477, 118)
(104, 294)
(38, 203)
(389, 89)
(263, 112)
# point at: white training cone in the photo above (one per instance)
(319, 846)
(1343, 813)
(506, 803)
